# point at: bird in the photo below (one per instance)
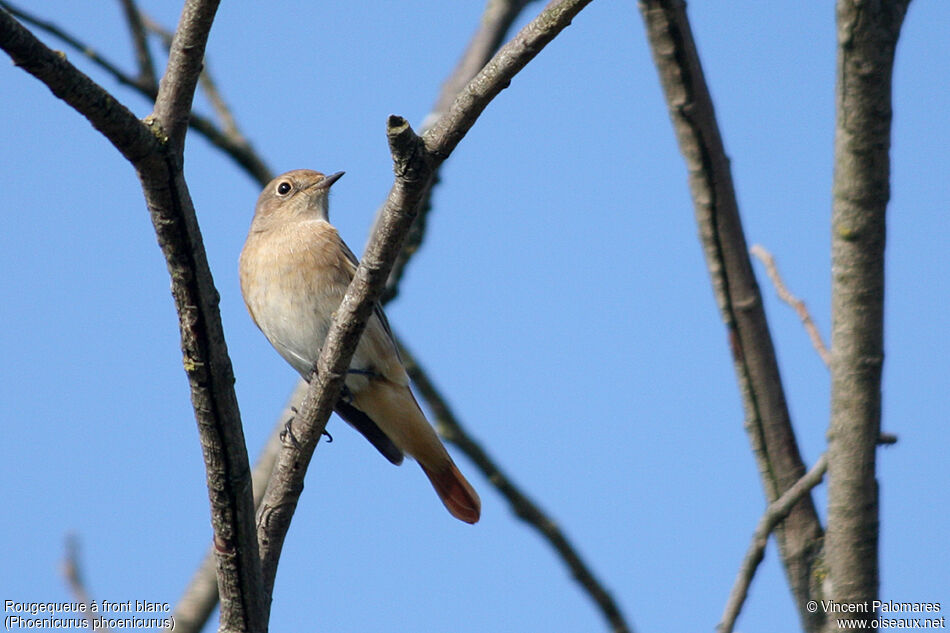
(294, 271)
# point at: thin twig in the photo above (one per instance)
(72, 572)
(233, 145)
(767, 419)
(143, 57)
(796, 304)
(451, 429)
(44, 25)
(773, 515)
(158, 29)
(208, 84)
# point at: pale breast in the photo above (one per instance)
(293, 279)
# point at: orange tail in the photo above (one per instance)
(456, 493)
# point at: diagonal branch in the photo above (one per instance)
(234, 145)
(774, 514)
(415, 160)
(200, 597)
(522, 505)
(767, 419)
(104, 112)
(794, 302)
(326, 382)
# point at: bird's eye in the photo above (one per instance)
(283, 188)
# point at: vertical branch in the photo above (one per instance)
(205, 352)
(143, 58)
(154, 147)
(767, 419)
(185, 59)
(867, 39)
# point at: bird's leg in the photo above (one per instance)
(288, 431)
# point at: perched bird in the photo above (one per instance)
(295, 270)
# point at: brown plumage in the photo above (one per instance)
(295, 269)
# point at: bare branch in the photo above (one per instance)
(111, 118)
(286, 483)
(158, 29)
(796, 304)
(72, 572)
(143, 57)
(209, 86)
(199, 599)
(867, 39)
(495, 22)
(497, 74)
(767, 418)
(158, 164)
(521, 504)
(88, 51)
(235, 145)
(414, 160)
(774, 514)
(185, 59)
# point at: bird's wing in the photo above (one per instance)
(377, 309)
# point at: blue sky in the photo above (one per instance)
(560, 301)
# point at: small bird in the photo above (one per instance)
(295, 269)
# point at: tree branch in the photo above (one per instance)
(134, 140)
(521, 504)
(796, 304)
(326, 382)
(234, 145)
(201, 596)
(867, 39)
(767, 418)
(158, 164)
(72, 572)
(414, 160)
(143, 57)
(774, 514)
(185, 59)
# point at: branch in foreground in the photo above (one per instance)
(104, 112)
(774, 514)
(201, 596)
(867, 40)
(286, 483)
(524, 508)
(767, 419)
(414, 161)
(158, 164)
(796, 304)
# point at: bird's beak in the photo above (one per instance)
(329, 180)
